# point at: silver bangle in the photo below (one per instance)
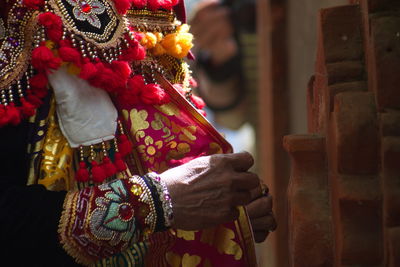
(165, 197)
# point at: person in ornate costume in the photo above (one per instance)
(107, 159)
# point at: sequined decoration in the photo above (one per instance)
(101, 221)
(2, 30)
(88, 11)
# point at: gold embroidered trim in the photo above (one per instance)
(112, 34)
(18, 64)
(67, 218)
(153, 21)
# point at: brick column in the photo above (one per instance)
(354, 105)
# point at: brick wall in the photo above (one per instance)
(344, 190)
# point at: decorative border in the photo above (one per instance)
(20, 56)
(118, 25)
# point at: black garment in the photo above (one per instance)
(29, 214)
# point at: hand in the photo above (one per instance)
(206, 191)
(213, 31)
(261, 217)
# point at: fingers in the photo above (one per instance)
(245, 181)
(264, 224)
(260, 207)
(241, 161)
(260, 236)
(241, 199)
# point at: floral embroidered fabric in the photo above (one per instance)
(99, 222)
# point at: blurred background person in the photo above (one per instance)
(225, 46)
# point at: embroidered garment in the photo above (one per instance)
(95, 94)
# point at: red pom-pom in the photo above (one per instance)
(193, 83)
(3, 116)
(34, 100)
(27, 108)
(134, 52)
(13, 114)
(40, 92)
(124, 146)
(33, 4)
(108, 167)
(136, 84)
(122, 69)
(107, 80)
(53, 25)
(82, 174)
(154, 4)
(43, 59)
(69, 54)
(88, 70)
(119, 163)
(38, 81)
(122, 6)
(154, 94)
(198, 102)
(203, 112)
(139, 3)
(98, 174)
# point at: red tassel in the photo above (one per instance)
(134, 52)
(136, 83)
(43, 59)
(33, 4)
(108, 167)
(139, 3)
(13, 114)
(154, 4)
(130, 96)
(27, 108)
(35, 100)
(122, 6)
(193, 83)
(124, 146)
(39, 81)
(88, 70)
(82, 174)
(107, 80)
(69, 54)
(154, 94)
(119, 163)
(98, 174)
(3, 116)
(40, 92)
(197, 101)
(53, 25)
(122, 69)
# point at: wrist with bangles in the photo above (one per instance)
(162, 200)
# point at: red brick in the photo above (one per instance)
(346, 71)
(357, 86)
(391, 180)
(385, 58)
(390, 122)
(357, 202)
(341, 28)
(310, 221)
(374, 6)
(360, 240)
(355, 134)
(394, 247)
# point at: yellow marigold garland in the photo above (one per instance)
(175, 44)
